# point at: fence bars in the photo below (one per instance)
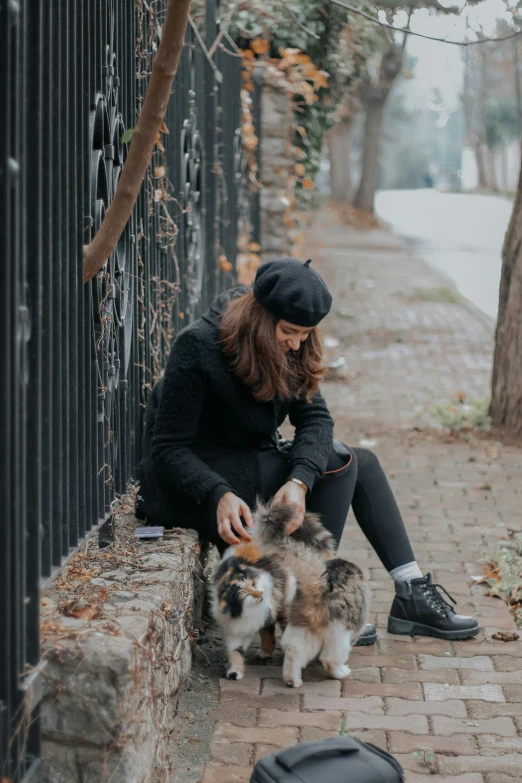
(78, 360)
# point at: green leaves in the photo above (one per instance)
(127, 135)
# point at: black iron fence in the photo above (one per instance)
(78, 360)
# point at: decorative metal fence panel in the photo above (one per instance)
(78, 360)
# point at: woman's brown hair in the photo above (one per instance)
(248, 338)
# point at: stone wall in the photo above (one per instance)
(117, 630)
(277, 165)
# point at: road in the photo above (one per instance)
(459, 234)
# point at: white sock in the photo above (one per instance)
(406, 572)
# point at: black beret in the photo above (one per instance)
(293, 291)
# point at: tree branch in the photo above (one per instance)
(152, 114)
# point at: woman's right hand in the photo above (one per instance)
(229, 512)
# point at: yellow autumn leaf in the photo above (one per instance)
(224, 264)
(299, 169)
(160, 171)
(299, 153)
(307, 183)
(321, 79)
(250, 142)
(259, 45)
(254, 247)
(303, 59)
(302, 132)
(247, 129)
(248, 54)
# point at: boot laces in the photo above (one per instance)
(436, 600)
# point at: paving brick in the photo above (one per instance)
(435, 692)
(469, 648)
(290, 700)
(313, 733)
(444, 676)
(453, 708)
(401, 742)
(323, 688)
(401, 645)
(371, 705)
(406, 690)
(478, 662)
(249, 685)
(416, 724)
(329, 721)
(367, 673)
(498, 745)
(281, 736)
(397, 661)
(412, 777)
(238, 753)
(486, 709)
(222, 774)
(507, 764)
(487, 678)
(233, 712)
(265, 750)
(513, 693)
(507, 663)
(449, 726)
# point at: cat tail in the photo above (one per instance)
(340, 574)
(313, 533)
(346, 594)
(272, 522)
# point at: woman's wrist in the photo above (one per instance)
(300, 483)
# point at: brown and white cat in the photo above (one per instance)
(330, 604)
(250, 593)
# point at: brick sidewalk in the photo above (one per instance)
(411, 347)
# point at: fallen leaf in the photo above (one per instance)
(81, 609)
(224, 264)
(307, 183)
(506, 636)
(259, 45)
(160, 171)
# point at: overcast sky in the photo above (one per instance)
(439, 65)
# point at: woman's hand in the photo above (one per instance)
(229, 512)
(294, 495)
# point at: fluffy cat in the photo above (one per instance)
(252, 590)
(330, 604)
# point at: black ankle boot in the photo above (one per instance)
(419, 608)
(367, 637)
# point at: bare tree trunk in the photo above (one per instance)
(506, 400)
(339, 140)
(481, 164)
(152, 114)
(372, 141)
(373, 96)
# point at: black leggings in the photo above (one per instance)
(364, 486)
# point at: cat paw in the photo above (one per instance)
(233, 674)
(293, 682)
(340, 672)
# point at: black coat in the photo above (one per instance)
(204, 430)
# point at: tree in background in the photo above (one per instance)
(506, 400)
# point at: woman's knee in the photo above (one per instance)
(367, 461)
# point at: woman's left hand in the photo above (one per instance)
(294, 495)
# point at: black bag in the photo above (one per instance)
(336, 760)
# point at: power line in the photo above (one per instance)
(406, 31)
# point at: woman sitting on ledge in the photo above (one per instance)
(211, 443)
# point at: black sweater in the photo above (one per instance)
(207, 429)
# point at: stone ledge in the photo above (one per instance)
(117, 630)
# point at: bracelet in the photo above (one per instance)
(300, 484)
